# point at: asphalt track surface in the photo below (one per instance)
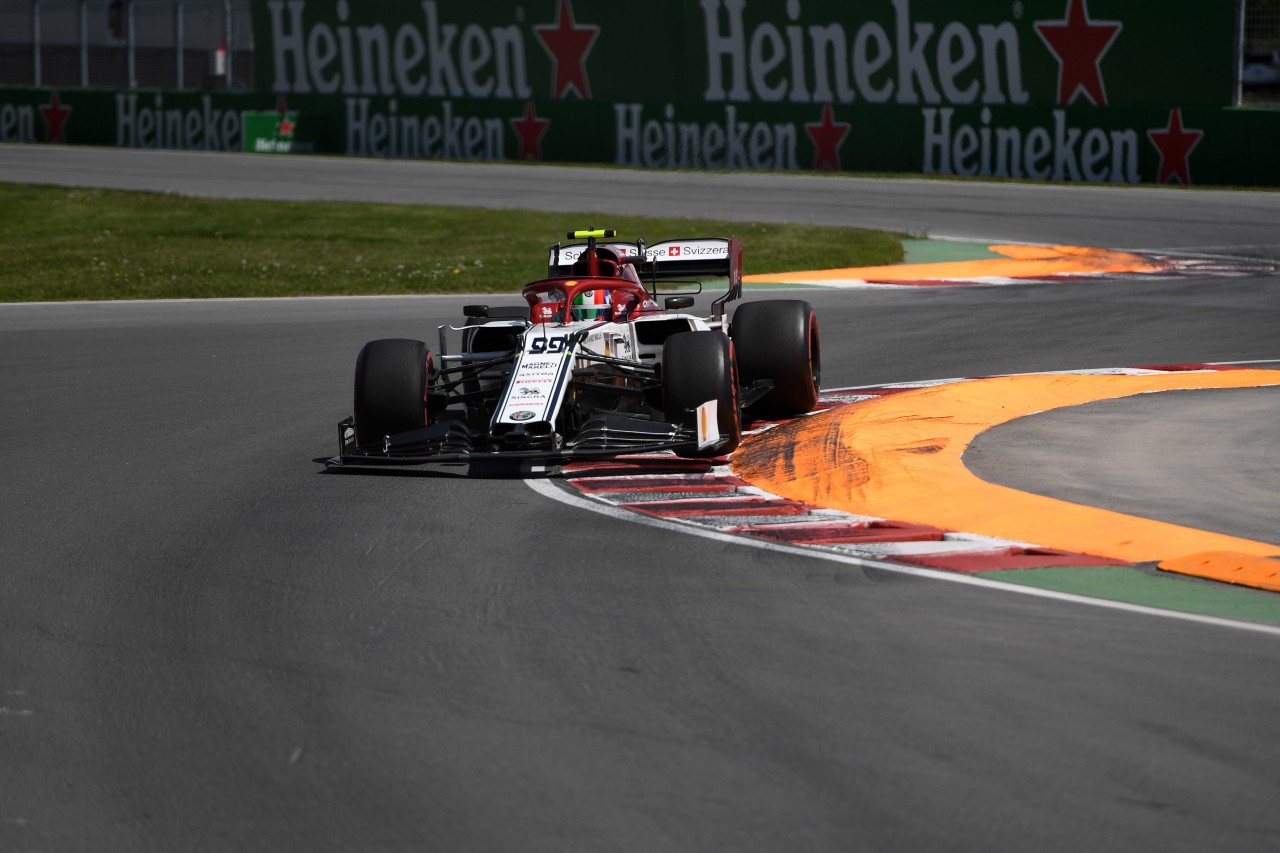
(208, 643)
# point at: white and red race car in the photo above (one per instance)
(591, 365)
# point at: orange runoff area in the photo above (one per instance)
(899, 457)
(1018, 262)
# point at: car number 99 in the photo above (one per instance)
(548, 345)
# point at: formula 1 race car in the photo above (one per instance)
(591, 366)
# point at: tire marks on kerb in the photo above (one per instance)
(912, 444)
(718, 500)
(706, 493)
(566, 494)
(705, 498)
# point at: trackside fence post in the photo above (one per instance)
(35, 42)
(1237, 96)
(131, 33)
(84, 44)
(179, 47)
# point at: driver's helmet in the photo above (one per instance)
(591, 305)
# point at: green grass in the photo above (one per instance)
(67, 244)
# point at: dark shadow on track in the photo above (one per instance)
(465, 471)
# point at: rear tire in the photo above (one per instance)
(698, 367)
(778, 340)
(391, 389)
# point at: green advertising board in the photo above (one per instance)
(926, 52)
(1063, 90)
(271, 133)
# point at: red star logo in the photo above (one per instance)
(530, 129)
(55, 119)
(1079, 43)
(568, 45)
(827, 135)
(1176, 145)
(286, 126)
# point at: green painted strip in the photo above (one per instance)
(945, 251)
(1146, 587)
(916, 252)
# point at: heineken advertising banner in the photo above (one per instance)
(1199, 145)
(1064, 90)
(929, 52)
(1055, 89)
(181, 120)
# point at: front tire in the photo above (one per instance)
(391, 389)
(777, 340)
(698, 367)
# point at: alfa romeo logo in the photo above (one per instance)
(523, 415)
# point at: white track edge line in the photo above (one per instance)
(1251, 361)
(554, 492)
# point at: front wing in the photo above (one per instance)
(603, 437)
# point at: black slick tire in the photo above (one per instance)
(777, 340)
(390, 389)
(698, 367)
